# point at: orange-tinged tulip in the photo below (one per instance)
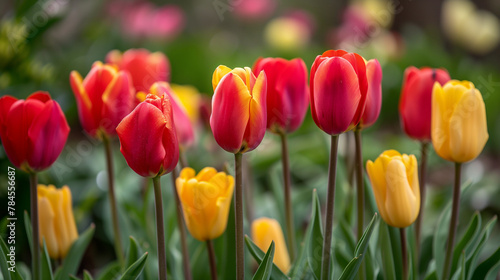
(103, 98)
(57, 224)
(205, 199)
(266, 230)
(459, 130)
(394, 179)
(239, 115)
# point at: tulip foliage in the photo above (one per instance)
(219, 220)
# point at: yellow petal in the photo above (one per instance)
(69, 219)
(187, 173)
(264, 231)
(219, 73)
(46, 218)
(206, 174)
(376, 173)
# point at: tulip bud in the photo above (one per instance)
(416, 99)
(287, 92)
(394, 179)
(57, 224)
(33, 131)
(148, 140)
(266, 230)
(239, 117)
(339, 89)
(103, 98)
(144, 67)
(183, 125)
(459, 130)
(205, 199)
(374, 94)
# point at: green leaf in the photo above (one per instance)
(29, 231)
(485, 234)
(73, 277)
(347, 235)
(425, 254)
(3, 261)
(72, 261)
(87, 275)
(111, 271)
(258, 255)
(133, 251)
(395, 239)
(266, 266)
(385, 249)
(460, 270)
(46, 266)
(315, 242)
(488, 268)
(470, 235)
(440, 237)
(352, 268)
(134, 271)
(228, 267)
(412, 248)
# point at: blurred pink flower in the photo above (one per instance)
(144, 20)
(254, 9)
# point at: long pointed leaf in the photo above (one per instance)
(135, 270)
(488, 268)
(266, 266)
(258, 255)
(315, 242)
(75, 254)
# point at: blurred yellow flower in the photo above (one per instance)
(394, 179)
(476, 30)
(458, 126)
(57, 224)
(190, 99)
(286, 34)
(266, 230)
(205, 199)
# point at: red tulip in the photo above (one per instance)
(144, 67)
(183, 125)
(287, 92)
(416, 98)
(103, 98)
(374, 94)
(339, 88)
(239, 116)
(33, 131)
(148, 140)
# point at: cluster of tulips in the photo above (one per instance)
(129, 97)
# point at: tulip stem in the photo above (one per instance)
(287, 196)
(182, 230)
(211, 258)
(112, 202)
(423, 167)
(34, 225)
(327, 241)
(454, 220)
(160, 230)
(359, 183)
(238, 210)
(404, 252)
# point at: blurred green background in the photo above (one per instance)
(42, 41)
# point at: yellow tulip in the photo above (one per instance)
(57, 224)
(266, 230)
(458, 126)
(394, 179)
(190, 99)
(205, 199)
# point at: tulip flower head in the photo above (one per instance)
(459, 130)
(183, 125)
(287, 92)
(57, 224)
(339, 90)
(416, 100)
(103, 98)
(394, 179)
(266, 230)
(239, 115)
(373, 95)
(144, 67)
(148, 138)
(33, 131)
(205, 199)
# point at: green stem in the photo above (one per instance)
(211, 258)
(160, 230)
(34, 225)
(182, 230)
(327, 241)
(423, 168)
(112, 202)
(359, 183)
(287, 196)
(453, 222)
(238, 210)
(404, 252)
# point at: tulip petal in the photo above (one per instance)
(230, 112)
(141, 136)
(374, 93)
(83, 103)
(206, 174)
(218, 74)
(118, 100)
(256, 127)
(337, 95)
(376, 173)
(46, 217)
(6, 103)
(295, 94)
